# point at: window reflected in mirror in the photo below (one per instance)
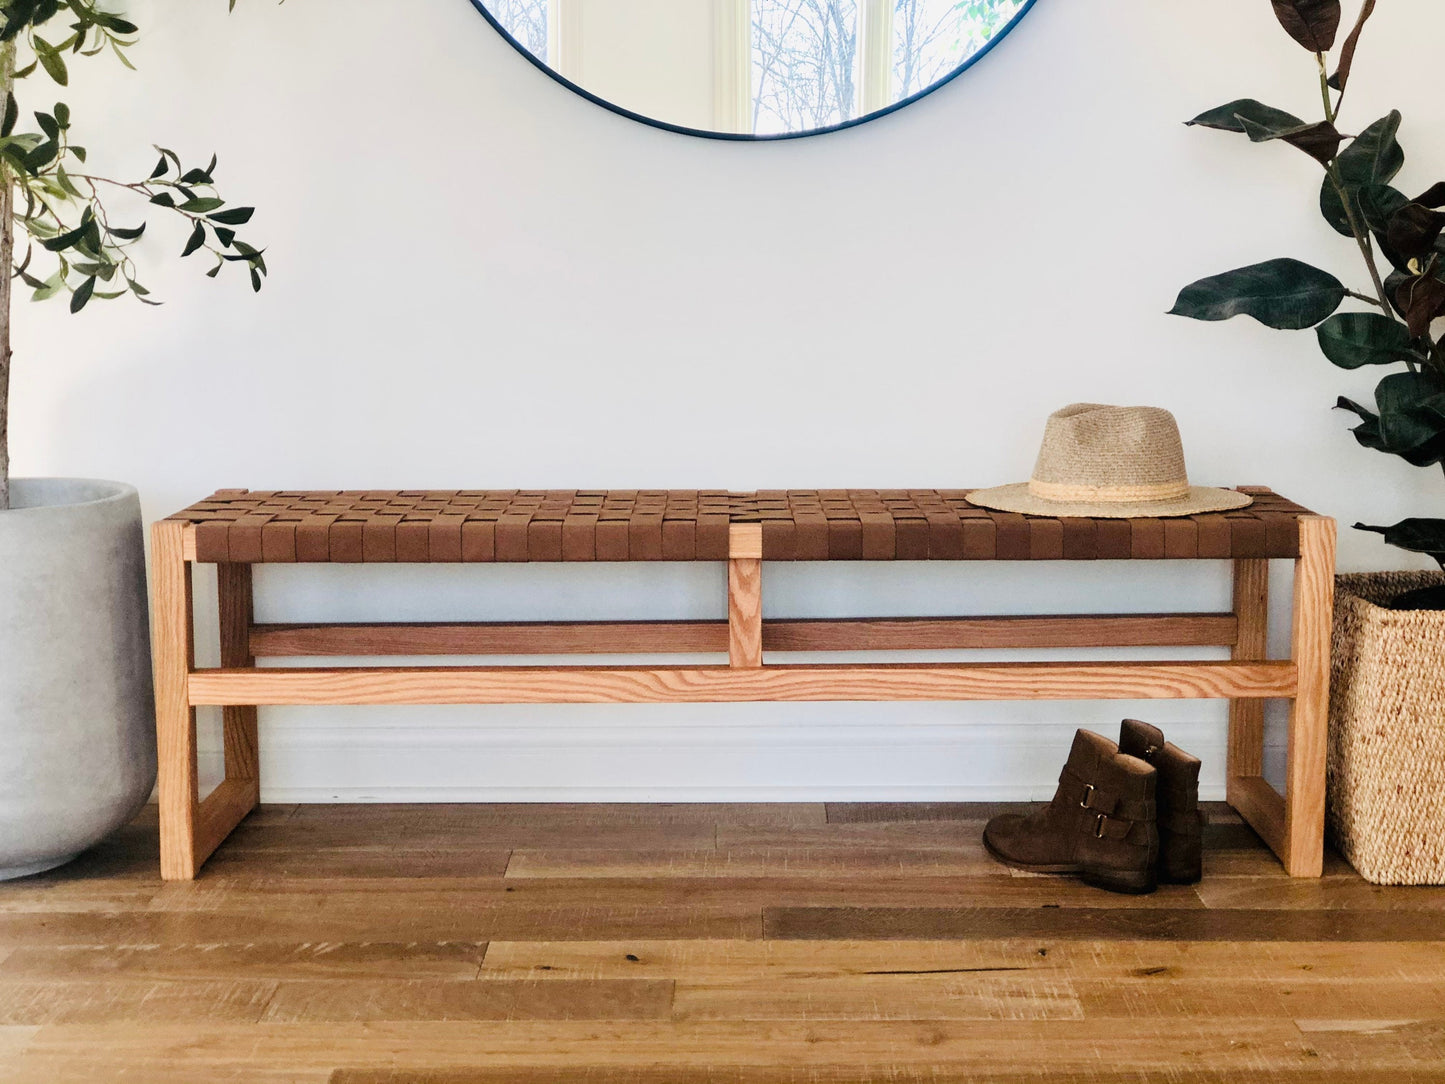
(755, 67)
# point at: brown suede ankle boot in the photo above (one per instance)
(1100, 825)
(1181, 824)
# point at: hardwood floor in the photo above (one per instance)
(701, 944)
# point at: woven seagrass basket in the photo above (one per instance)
(1387, 731)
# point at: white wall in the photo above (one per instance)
(480, 279)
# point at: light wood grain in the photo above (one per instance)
(745, 595)
(173, 656)
(1262, 807)
(1314, 594)
(236, 607)
(632, 964)
(1246, 717)
(220, 812)
(688, 637)
(623, 685)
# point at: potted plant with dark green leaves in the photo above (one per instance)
(77, 730)
(1387, 711)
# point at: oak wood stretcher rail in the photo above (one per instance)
(237, 529)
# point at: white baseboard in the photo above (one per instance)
(695, 753)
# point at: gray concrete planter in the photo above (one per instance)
(77, 722)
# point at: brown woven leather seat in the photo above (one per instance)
(236, 525)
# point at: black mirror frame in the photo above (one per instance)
(741, 137)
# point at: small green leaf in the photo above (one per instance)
(213, 272)
(197, 239)
(12, 114)
(1353, 339)
(48, 125)
(255, 280)
(78, 151)
(51, 61)
(42, 156)
(52, 286)
(163, 199)
(127, 234)
(62, 114)
(225, 236)
(1284, 294)
(82, 294)
(233, 216)
(66, 240)
(202, 204)
(160, 170)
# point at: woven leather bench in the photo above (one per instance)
(237, 529)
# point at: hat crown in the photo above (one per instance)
(1094, 452)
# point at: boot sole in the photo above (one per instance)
(1132, 884)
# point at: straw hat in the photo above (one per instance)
(1109, 462)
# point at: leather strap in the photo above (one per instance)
(1075, 789)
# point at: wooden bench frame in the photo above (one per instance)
(1292, 824)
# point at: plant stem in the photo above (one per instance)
(1325, 88)
(7, 276)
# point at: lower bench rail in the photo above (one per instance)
(705, 684)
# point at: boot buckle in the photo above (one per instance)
(1099, 826)
(1088, 796)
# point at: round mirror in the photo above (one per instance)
(753, 69)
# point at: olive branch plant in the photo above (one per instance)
(62, 230)
(1357, 199)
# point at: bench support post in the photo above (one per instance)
(190, 828)
(745, 595)
(1291, 823)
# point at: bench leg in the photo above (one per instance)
(745, 595)
(191, 829)
(173, 658)
(1314, 596)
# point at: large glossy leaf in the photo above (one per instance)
(1341, 78)
(1230, 116)
(1312, 23)
(1374, 157)
(1416, 535)
(1285, 294)
(1353, 339)
(1412, 416)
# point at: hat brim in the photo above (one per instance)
(1017, 498)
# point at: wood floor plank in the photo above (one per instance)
(306, 835)
(263, 960)
(1131, 923)
(236, 865)
(961, 837)
(848, 1074)
(822, 861)
(443, 1000)
(13, 1041)
(89, 1001)
(581, 816)
(209, 1051)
